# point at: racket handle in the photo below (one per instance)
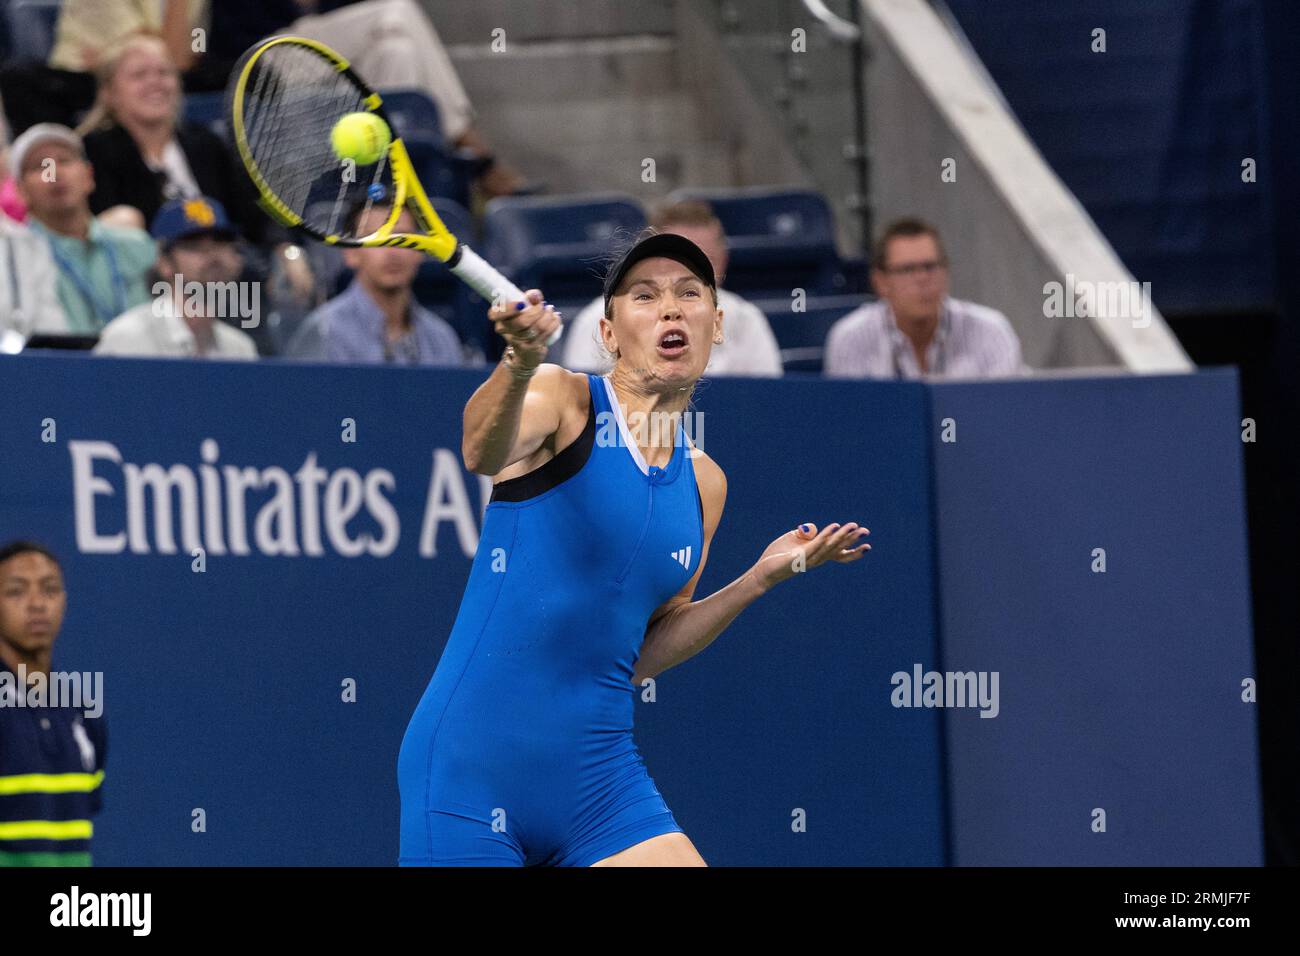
(474, 271)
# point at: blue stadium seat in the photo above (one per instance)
(442, 173)
(207, 109)
(6, 43)
(31, 29)
(857, 274)
(559, 244)
(412, 113)
(802, 335)
(441, 292)
(778, 239)
(444, 170)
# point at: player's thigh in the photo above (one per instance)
(667, 849)
(460, 838)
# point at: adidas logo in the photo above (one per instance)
(683, 557)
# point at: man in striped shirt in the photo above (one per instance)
(51, 753)
(916, 329)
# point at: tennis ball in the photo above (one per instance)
(361, 137)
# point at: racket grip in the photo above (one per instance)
(474, 271)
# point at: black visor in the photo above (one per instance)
(669, 246)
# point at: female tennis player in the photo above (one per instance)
(520, 751)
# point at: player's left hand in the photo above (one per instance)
(805, 548)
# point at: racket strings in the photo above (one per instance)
(293, 96)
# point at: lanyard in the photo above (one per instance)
(82, 282)
(15, 290)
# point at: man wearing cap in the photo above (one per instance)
(101, 268)
(199, 261)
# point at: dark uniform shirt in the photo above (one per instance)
(51, 776)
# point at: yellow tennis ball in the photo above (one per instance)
(361, 137)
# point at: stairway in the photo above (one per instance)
(585, 92)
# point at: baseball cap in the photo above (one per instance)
(669, 246)
(40, 133)
(183, 218)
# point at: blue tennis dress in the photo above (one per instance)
(520, 751)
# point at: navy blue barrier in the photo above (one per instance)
(780, 744)
(1121, 690)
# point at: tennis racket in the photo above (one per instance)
(284, 98)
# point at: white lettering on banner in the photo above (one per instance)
(85, 487)
(162, 483)
(382, 510)
(447, 500)
(271, 511)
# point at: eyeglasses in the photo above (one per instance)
(916, 268)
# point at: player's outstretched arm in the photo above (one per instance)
(683, 628)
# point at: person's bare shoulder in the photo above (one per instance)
(713, 490)
(556, 385)
(572, 386)
(563, 395)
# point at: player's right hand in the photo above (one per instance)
(527, 329)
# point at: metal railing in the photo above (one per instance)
(814, 87)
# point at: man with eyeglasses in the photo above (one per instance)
(199, 263)
(916, 329)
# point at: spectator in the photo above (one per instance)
(29, 298)
(748, 346)
(52, 750)
(101, 268)
(197, 244)
(376, 319)
(392, 43)
(916, 329)
(144, 157)
(63, 88)
(11, 204)
(86, 28)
